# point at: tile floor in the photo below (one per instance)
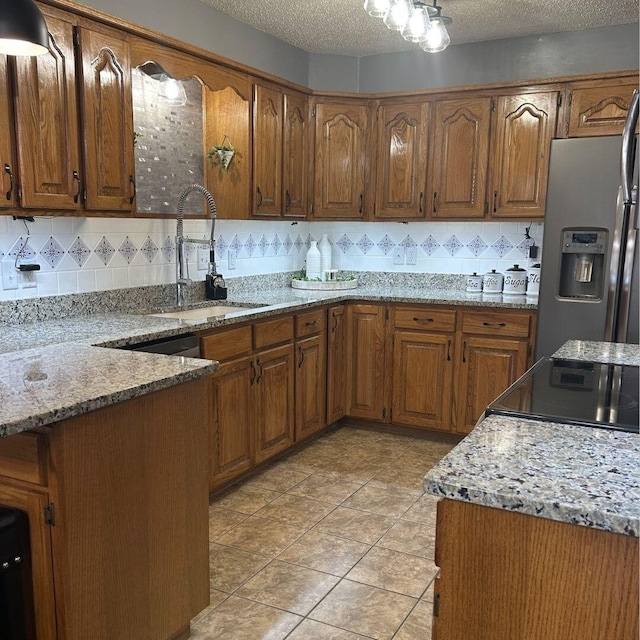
(335, 541)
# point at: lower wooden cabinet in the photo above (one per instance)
(310, 385)
(337, 364)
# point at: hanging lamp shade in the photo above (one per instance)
(23, 31)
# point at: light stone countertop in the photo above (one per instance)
(580, 475)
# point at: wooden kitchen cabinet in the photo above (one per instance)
(296, 140)
(401, 155)
(460, 158)
(8, 188)
(337, 358)
(341, 151)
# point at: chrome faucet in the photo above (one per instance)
(182, 266)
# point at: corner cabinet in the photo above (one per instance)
(341, 151)
(296, 139)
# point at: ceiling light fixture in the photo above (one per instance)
(23, 30)
(416, 20)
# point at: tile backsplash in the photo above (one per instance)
(95, 254)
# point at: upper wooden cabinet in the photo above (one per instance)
(295, 155)
(460, 158)
(401, 160)
(599, 108)
(341, 150)
(8, 188)
(524, 126)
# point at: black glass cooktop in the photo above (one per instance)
(574, 392)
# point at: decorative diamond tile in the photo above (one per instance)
(365, 244)
(288, 243)
(502, 246)
(276, 244)
(345, 243)
(189, 250)
(477, 246)
(221, 245)
(128, 250)
(453, 245)
(149, 249)
(263, 245)
(23, 248)
(430, 245)
(408, 241)
(250, 245)
(523, 246)
(386, 245)
(52, 252)
(309, 239)
(299, 243)
(104, 250)
(79, 251)
(168, 249)
(235, 244)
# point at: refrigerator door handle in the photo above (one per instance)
(629, 148)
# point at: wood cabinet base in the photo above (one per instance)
(509, 576)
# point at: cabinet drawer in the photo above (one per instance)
(425, 319)
(22, 457)
(309, 323)
(496, 323)
(225, 345)
(272, 332)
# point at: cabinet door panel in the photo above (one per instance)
(337, 365)
(422, 379)
(47, 123)
(7, 163)
(232, 421)
(295, 156)
(487, 368)
(402, 160)
(341, 134)
(107, 119)
(525, 125)
(267, 152)
(460, 158)
(310, 385)
(275, 396)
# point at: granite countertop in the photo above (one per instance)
(580, 475)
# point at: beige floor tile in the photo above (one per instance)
(323, 552)
(277, 478)
(424, 510)
(244, 498)
(406, 480)
(296, 511)
(326, 488)
(381, 501)
(394, 571)
(418, 625)
(262, 536)
(240, 619)
(221, 520)
(363, 609)
(289, 587)
(312, 630)
(215, 598)
(410, 537)
(428, 594)
(413, 461)
(230, 567)
(355, 525)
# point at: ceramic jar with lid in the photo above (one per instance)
(515, 281)
(474, 283)
(492, 282)
(533, 280)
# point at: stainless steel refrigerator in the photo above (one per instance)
(589, 276)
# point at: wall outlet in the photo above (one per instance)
(398, 255)
(231, 258)
(203, 259)
(28, 279)
(411, 254)
(9, 274)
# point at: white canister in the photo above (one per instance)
(324, 246)
(314, 261)
(515, 281)
(533, 280)
(474, 283)
(492, 282)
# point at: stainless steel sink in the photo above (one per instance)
(200, 313)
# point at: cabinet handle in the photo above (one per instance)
(361, 203)
(7, 169)
(335, 323)
(310, 323)
(260, 372)
(287, 200)
(464, 351)
(435, 196)
(420, 204)
(495, 201)
(495, 325)
(253, 372)
(301, 352)
(423, 320)
(259, 198)
(449, 350)
(76, 196)
(132, 180)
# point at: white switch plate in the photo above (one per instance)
(203, 259)
(231, 257)
(28, 279)
(9, 274)
(398, 255)
(411, 255)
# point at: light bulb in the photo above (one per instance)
(173, 92)
(437, 37)
(376, 8)
(397, 15)
(417, 25)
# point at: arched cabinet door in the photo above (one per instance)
(340, 155)
(295, 155)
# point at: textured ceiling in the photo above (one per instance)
(342, 26)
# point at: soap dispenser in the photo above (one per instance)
(215, 286)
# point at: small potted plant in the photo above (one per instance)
(224, 153)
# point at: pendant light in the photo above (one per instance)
(437, 37)
(23, 31)
(398, 14)
(417, 25)
(376, 8)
